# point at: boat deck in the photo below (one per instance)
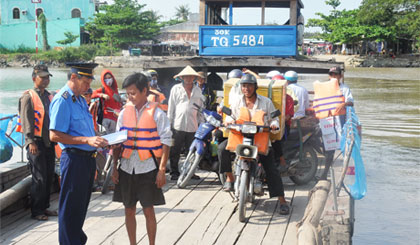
(200, 214)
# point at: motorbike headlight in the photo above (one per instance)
(249, 129)
(246, 152)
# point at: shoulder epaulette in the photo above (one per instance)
(65, 95)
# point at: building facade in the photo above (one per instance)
(17, 26)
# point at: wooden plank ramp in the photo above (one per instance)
(202, 213)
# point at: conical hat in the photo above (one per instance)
(187, 71)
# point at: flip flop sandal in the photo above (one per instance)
(41, 217)
(284, 209)
(50, 213)
(228, 186)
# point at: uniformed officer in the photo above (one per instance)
(72, 127)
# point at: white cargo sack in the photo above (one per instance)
(329, 134)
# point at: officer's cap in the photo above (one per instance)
(82, 68)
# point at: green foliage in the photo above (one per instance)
(182, 12)
(122, 23)
(21, 49)
(374, 20)
(82, 53)
(70, 38)
(171, 22)
(43, 23)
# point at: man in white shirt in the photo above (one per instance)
(300, 92)
(183, 115)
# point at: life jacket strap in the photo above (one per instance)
(329, 103)
(142, 147)
(139, 129)
(144, 138)
(330, 97)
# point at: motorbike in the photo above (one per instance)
(248, 170)
(300, 154)
(200, 154)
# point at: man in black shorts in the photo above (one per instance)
(143, 156)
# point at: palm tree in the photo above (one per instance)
(154, 15)
(182, 12)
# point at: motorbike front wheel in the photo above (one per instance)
(306, 169)
(243, 193)
(188, 168)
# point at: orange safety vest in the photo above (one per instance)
(327, 97)
(39, 112)
(156, 96)
(260, 139)
(142, 134)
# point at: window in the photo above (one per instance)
(38, 12)
(75, 13)
(16, 13)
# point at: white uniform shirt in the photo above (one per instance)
(164, 130)
(303, 98)
(348, 97)
(182, 113)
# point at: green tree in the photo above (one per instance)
(123, 23)
(70, 38)
(182, 12)
(43, 23)
(401, 18)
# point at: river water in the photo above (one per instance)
(387, 101)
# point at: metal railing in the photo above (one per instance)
(336, 187)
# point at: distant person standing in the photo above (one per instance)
(207, 92)
(72, 127)
(300, 92)
(183, 116)
(113, 102)
(35, 121)
(155, 92)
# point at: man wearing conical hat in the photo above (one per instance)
(183, 116)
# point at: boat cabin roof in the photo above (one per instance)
(254, 4)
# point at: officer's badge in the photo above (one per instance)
(65, 95)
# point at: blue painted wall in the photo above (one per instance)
(248, 41)
(53, 10)
(21, 32)
(15, 35)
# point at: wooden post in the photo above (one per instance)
(293, 13)
(263, 12)
(202, 12)
(308, 230)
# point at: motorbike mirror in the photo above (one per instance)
(295, 102)
(275, 113)
(226, 110)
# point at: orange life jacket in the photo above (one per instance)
(260, 139)
(327, 97)
(158, 97)
(142, 134)
(39, 112)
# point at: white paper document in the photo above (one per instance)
(116, 138)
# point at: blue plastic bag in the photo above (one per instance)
(358, 188)
(6, 148)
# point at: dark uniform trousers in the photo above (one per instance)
(77, 175)
(274, 182)
(42, 170)
(181, 139)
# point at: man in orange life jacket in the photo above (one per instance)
(155, 92)
(337, 73)
(254, 103)
(35, 119)
(141, 174)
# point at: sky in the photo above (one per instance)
(246, 16)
